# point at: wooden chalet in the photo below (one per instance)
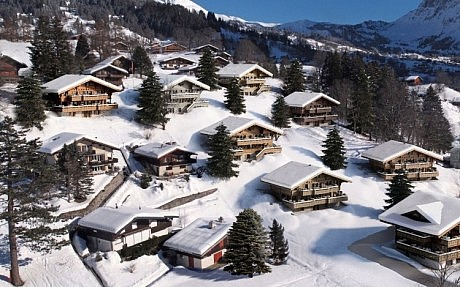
(182, 92)
(9, 69)
(413, 80)
(251, 77)
(165, 159)
(311, 109)
(208, 47)
(177, 62)
(199, 245)
(427, 227)
(252, 139)
(220, 62)
(301, 186)
(113, 229)
(390, 156)
(164, 48)
(110, 70)
(86, 95)
(120, 46)
(98, 155)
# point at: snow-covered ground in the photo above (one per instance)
(318, 240)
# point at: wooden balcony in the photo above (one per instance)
(451, 242)
(185, 95)
(411, 175)
(313, 119)
(103, 162)
(268, 150)
(415, 165)
(92, 98)
(427, 253)
(253, 82)
(412, 236)
(85, 108)
(250, 141)
(320, 110)
(197, 104)
(320, 191)
(299, 205)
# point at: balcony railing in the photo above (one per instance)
(407, 234)
(254, 81)
(320, 191)
(85, 108)
(81, 98)
(296, 205)
(255, 140)
(414, 165)
(451, 242)
(311, 119)
(411, 175)
(192, 94)
(268, 150)
(320, 110)
(197, 104)
(427, 253)
(103, 162)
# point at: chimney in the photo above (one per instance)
(211, 224)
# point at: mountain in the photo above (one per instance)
(434, 27)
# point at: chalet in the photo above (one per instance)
(182, 92)
(109, 70)
(301, 186)
(427, 227)
(85, 95)
(113, 229)
(390, 156)
(413, 80)
(164, 48)
(225, 55)
(199, 245)
(208, 47)
(97, 154)
(165, 159)
(220, 62)
(311, 109)
(174, 63)
(251, 77)
(9, 69)
(121, 46)
(252, 139)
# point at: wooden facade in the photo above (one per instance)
(176, 63)
(254, 142)
(9, 69)
(318, 112)
(72, 95)
(183, 93)
(315, 191)
(251, 78)
(167, 48)
(111, 74)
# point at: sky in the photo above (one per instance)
(334, 11)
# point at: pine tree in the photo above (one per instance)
(24, 192)
(334, 152)
(247, 245)
(235, 100)
(30, 107)
(279, 245)
(81, 50)
(74, 168)
(63, 57)
(152, 102)
(220, 164)
(398, 189)
(295, 81)
(280, 113)
(206, 71)
(436, 133)
(141, 61)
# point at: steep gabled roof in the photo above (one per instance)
(114, 219)
(239, 70)
(178, 57)
(440, 210)
(198, 237)
(392, 149)
(69, 81)
(158, 150)
(211, 47)
(237, 124)
(106, 63)
(301, 99)
(170, 81)
(293, 173)
(13, 61)
(57, 142)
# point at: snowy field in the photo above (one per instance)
(318, 240)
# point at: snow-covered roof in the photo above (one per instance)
(104, 64)
(412, 78)
(239, 70)
(178, 57)
(170, 81)
(114, 219)
(293, 173)
(237, 124)
(158, 150)
(8, 58)
(442, 212)
(391, 149)
(69, 81)
(301, 99)
(57, 142)
(212, 47)
(198, 237)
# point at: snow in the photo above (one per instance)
(319, 240)
(301, 99)
(158, 150)
(69, 81)
(237, 124)
(239, 70)
(392, 149)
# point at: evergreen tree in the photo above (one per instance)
(30, 106)
(436, 133)
(141, 61)
(331, 70)
(63, 57)
(295, 81)
(279, 245)
(24, 192)
(235, 100)
(398, 189)
(81, 51)
(152, 102)
(74, 168)
(247, 245)
(206, 71)
(280, 113)
(220, 164)
(334, 153)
